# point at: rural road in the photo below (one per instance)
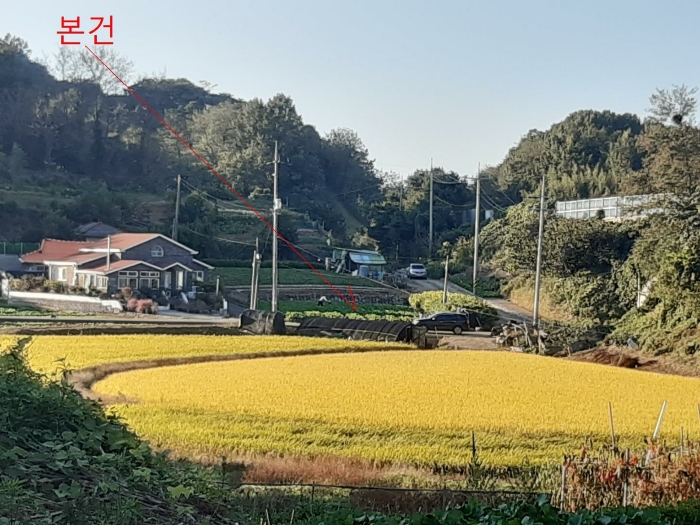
(506, 309)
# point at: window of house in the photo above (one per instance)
(198, 276)
(62, 274)
(102, 283)
(157, 251)
(37, 268)
(149, 280)
(180, 280)
(128, 280)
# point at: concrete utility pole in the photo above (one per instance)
(109, 250)
(538, 270)
(177, 208)
(275, 211)
(254, 285)
(430, 235)
(447, 273)
(477, 216)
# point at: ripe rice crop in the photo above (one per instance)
(49, 353)
(412, 407)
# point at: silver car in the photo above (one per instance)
(417, 271)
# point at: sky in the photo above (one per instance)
(458, 81)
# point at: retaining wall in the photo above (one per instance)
(64, 302)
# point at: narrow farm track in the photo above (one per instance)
(84, 379)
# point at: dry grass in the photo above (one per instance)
(525, 298)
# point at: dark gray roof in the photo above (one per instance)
(12, 264)
(97, 229)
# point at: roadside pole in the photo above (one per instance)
(276, 205)
(255, 285)
(477, 214)
(447, 272)
(177, 209)
(538, 270)
(430, 234)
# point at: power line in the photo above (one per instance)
(377, 185)
(453, 205)
(220, 238)
(449, 181)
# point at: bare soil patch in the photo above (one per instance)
(670, 364)
(469, 341)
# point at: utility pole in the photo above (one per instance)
(275, 211)
(257, 256)
(177, 208)
(430, 235)
(109, 250)
(447, 272)
(538, 270)
(477, 216)
(401, 195)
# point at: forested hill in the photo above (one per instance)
(74, 148)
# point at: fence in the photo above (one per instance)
(18, 248)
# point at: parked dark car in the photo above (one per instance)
(455, 322)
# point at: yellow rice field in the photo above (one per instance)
(49, 353)
(413, 407)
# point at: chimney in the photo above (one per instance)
(109, 251)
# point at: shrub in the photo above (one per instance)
(63, 461)
(54, 286)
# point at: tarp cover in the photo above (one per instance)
(262, 322)
(360, 330)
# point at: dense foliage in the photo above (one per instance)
(76, 148)
(62, 461)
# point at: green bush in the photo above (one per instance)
(297, 310)
(431, 302)
(63, 461)
(539, 513)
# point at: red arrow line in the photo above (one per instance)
(352, 297)
(226, 183)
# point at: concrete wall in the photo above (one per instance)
(63, 302)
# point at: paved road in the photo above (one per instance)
(506, 309)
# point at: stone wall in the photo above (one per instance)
(64, 303)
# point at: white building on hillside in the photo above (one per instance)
(613, 208)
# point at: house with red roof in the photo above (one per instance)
(141, 261)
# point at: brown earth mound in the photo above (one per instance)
(626, 358)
